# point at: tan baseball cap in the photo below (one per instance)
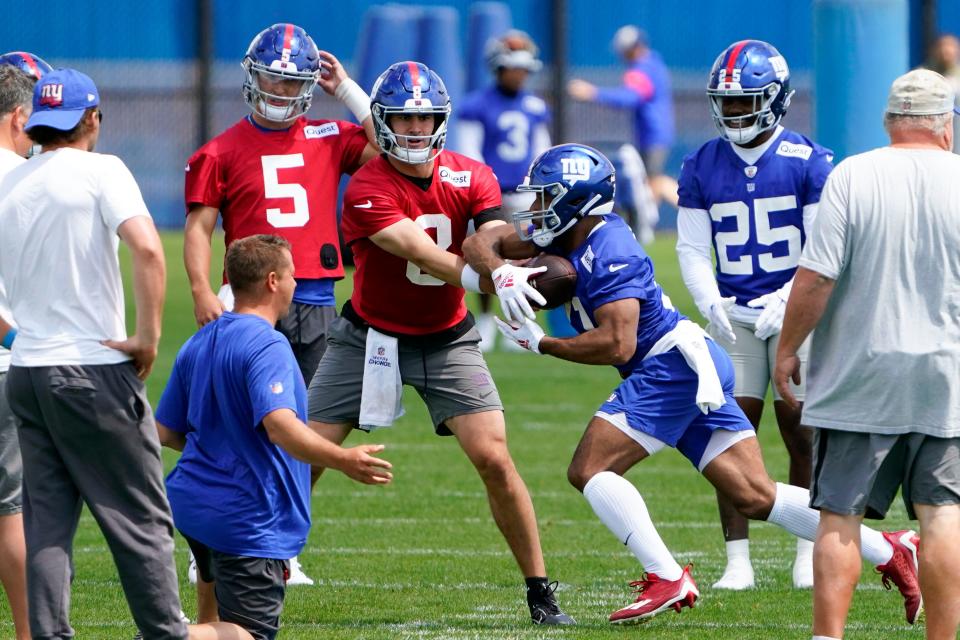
(921, 92)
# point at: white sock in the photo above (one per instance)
(804, 548)
(620, 507)
(825, 638)
(738, 551)
(791, 512)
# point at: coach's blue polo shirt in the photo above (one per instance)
(232, 489)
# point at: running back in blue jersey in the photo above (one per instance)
(611, 265)
(509, 123)
(756, 211)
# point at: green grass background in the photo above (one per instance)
(423, 559)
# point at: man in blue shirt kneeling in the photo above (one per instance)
(236, 406)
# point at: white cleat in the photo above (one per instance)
(488, 332)
(192, 569)
(803, 565)
(297, 576)
(736, 577)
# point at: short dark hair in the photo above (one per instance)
(45, 136)
(16, 89)
(249, 261)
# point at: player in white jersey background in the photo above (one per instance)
(750, 194)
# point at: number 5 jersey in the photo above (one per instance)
(280, 182)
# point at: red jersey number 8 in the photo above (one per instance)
(441, 223)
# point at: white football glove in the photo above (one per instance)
(770, 320)
(717, 316)
(526, 334)
(513, 291)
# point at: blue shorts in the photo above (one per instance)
(659, 399)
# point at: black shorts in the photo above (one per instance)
(249, 590)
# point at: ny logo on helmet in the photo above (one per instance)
(575, 169)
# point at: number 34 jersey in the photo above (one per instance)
(280, 182)
(390, 292)
(756, 211)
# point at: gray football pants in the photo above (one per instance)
(87, 436)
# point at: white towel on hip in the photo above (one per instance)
(691, 340)
(381, 401)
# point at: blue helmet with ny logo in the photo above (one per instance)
(569, 181)
(748, 71)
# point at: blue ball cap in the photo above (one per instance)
(60, 98)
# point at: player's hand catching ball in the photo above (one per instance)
(513, 290)
(527, 333)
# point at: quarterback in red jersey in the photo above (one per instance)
(405, 217)
(277, 172)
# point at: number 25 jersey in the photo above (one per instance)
(756, 211)
(282, 183)
(392, 293)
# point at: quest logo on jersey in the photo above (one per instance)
(789, 150)
(321, 131)
(456, 178)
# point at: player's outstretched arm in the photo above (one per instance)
(288, 432)
(197, 236)
(613, 341)
(490, 247)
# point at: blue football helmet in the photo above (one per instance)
(281, 52)
(32, 65)
(570, 181)
(410, 88)
(749, 69)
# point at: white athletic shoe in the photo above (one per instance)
(183, 616)
(297, 576)
(192, 568)
(803, 565)
(736, 577)
(488, 332)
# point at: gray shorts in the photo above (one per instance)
(306, 326)
(859, 473)
(654, 159)
(453, 378)
(754, 361)
(11, 466)
(249, 591)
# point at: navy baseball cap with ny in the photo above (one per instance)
(60, 98)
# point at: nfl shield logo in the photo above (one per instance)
(276, 388)
(381, 351)
(750, 171)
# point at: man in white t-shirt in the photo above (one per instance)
(879, 278)
(16, 90)
(87, 434)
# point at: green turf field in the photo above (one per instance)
(423, 559)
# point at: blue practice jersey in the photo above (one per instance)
(646, 89)
(509, 122)
(232, 489)
(611, 265)
(756, 211)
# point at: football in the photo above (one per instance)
(558, 283)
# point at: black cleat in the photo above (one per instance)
(544, 608)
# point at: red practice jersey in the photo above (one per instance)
(282, 183)
(388, 291)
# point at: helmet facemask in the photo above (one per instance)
(744, 128)
(397, 145)
(542, 224)
(274, 107)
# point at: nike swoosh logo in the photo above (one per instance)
(365, 205)
(616, 267)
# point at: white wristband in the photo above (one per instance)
(470, 279)
(354, 98)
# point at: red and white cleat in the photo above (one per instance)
(655, 595)
(902, 570)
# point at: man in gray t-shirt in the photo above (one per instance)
(879, 278)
